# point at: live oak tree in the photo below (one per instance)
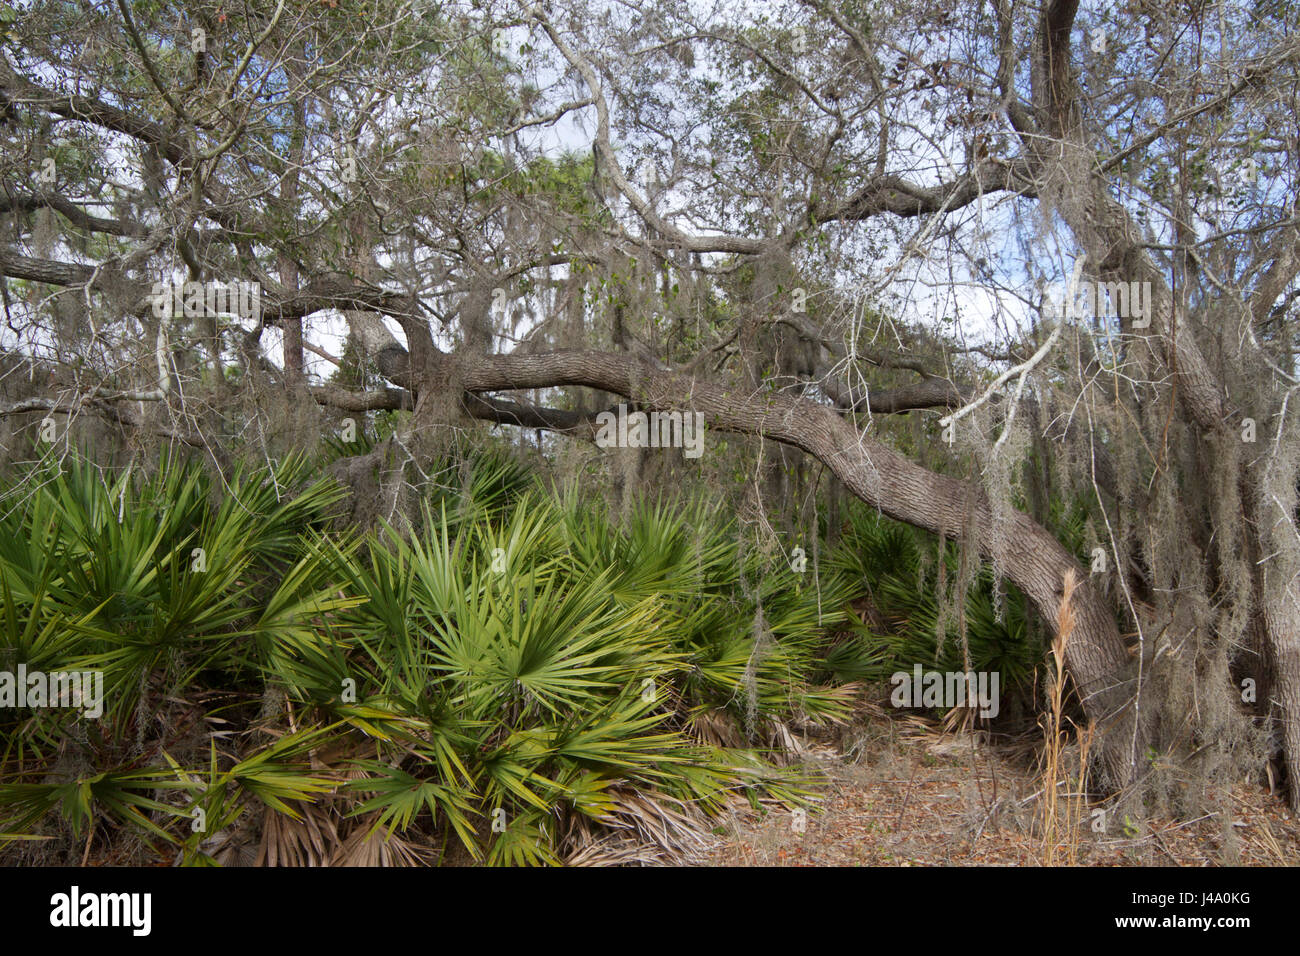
(804, 220)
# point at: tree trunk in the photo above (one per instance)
(1029, 555)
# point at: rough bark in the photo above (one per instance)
(1113, 242)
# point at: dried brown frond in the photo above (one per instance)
(642, 827)
(310, 841)
(362, 847)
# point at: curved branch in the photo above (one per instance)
(1030, 556)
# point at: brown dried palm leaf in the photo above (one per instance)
(914, 726)
(236, 845)
(716, 728)
(620, 850)
(586, 843)
(364, 848)
(959, 720)
(666, 830)
(310, 841)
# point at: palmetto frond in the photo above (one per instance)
(518, 663)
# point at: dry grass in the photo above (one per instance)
(1055, 749)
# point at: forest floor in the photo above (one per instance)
(913, 796)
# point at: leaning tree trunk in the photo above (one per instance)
(1028, 554)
